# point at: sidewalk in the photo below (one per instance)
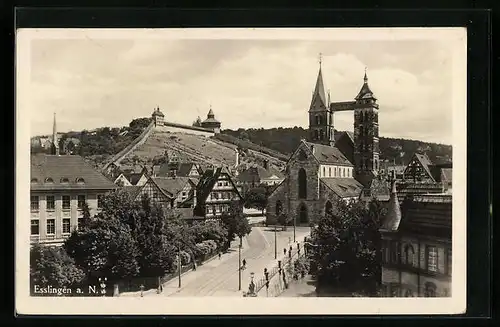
(172, 286)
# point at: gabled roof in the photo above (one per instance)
(208, 180)
(318, 101)
(65, 172)
(172, 185)
(185, 168)
(258, 173)
(210, 118)
(133, 178)
(343, 187)
(425, 162)
(326, 154)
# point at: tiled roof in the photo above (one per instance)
(66, 172)
(258, 173)
(326, 154)
(343, 187)
(365, 92)
(429, 215)
(184, 169)
(173, 185)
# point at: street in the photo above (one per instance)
(219, 277)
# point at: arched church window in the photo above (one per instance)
(318, 120)
(302, 184)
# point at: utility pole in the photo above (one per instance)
(294, 223)
(179, 263)
(275, 243)
(239, 266)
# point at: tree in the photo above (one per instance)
(52, 266)
(347, 247)
(256, 198)
(235, 223)
(105, 247)
(197, 122)
(209, 230)
(86, 217)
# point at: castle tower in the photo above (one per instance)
(320, 115)
(366, 139)
(55, 140)
(211, 122)
(158, 117)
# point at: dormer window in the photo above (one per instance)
(64, 180)
(80, 180)
(34, 181)
(49, 180)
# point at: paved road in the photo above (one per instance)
(220, 277)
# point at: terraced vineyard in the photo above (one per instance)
(193, 148)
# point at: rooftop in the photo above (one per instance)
(66, 172)
(343, 187)
(326, 154)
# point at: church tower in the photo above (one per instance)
(55, 142)
(366, 139)
(320, 115)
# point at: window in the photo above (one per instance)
(81, 201)
(184, 194)
(34, 181)
(35, 204)
(66, 202)
(64, 180)
(432, 258)
(51, 226)
(51, 202)
(324, 171)
(302, 184)
(66, 226)
(448, 262)
(80, 180)
(49, 180)
(430, 290)
(99, 200)
(329, 171)
(35, 227)
(335, 172)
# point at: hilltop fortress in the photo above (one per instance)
(208, 127)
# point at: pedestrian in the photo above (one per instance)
(284, 251)
(244, 263)
(220, 254)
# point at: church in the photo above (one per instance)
(328, 165)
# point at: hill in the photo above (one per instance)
(286, 140)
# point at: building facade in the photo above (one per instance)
(216, 192)
(60, 186)
(417, 246)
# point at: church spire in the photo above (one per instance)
(365, 92)
(55, 141)
(318, 102)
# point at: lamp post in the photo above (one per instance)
(179, 264)
(294, 224)
(239, 267)
(275, 243)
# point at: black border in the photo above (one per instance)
(478, 23)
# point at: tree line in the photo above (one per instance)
(286, 140)
(128, 239)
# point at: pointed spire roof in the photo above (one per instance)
(393, 217)
(318, 101)
(55, 141)
(365, 92)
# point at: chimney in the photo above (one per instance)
(266, 164)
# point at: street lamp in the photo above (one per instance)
(275, 242)
(239, 267)
(179, 263)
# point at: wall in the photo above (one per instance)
(178, 129)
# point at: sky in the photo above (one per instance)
(249, 83)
